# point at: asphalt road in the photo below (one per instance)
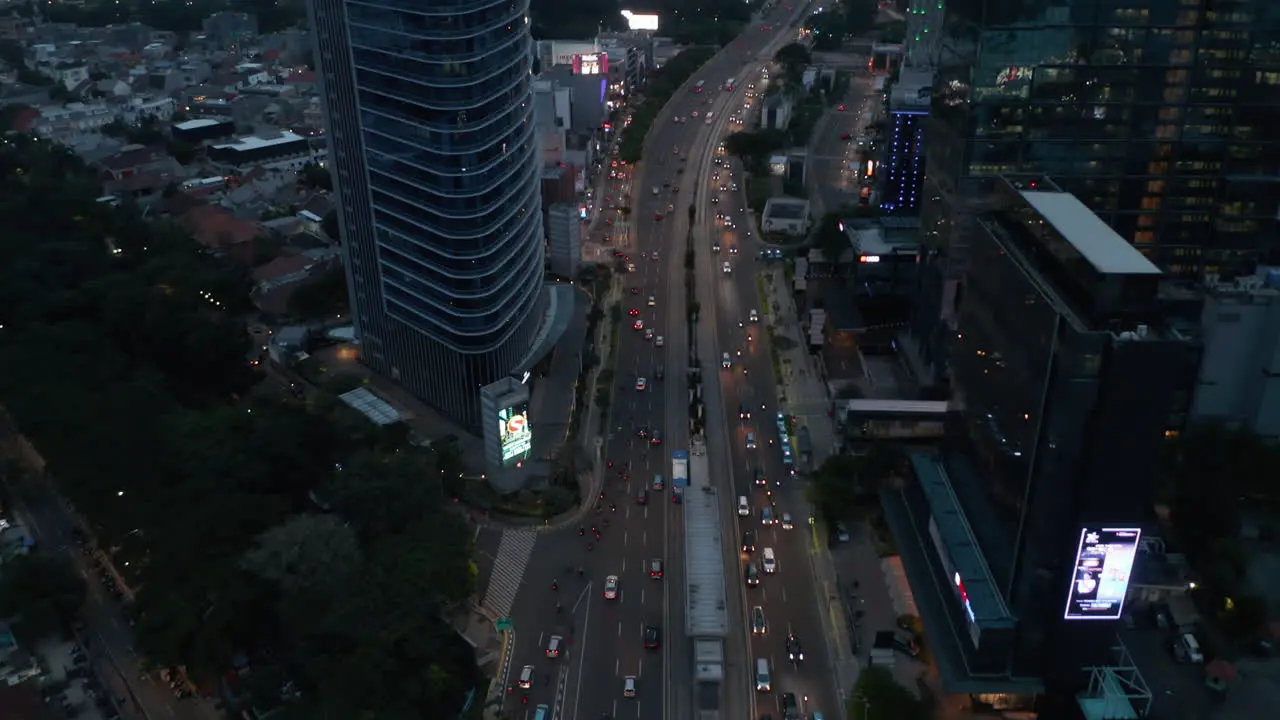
(833, 183)
(109, 635)
(789, 598)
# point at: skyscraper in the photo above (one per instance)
(1157, 115)
(431, 138)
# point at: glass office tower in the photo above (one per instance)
(432, 142)
(1158, 115)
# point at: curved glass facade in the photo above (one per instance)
(431, 135)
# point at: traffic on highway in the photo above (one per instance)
(611, 641)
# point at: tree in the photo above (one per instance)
(877, 696)
(329, 225)
(793, 58)
(322, 296)
(845, 484)
(184, 152)
(314, 176)
(45, 593)
(305, 552)
(830, 238)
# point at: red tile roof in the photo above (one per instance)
(217, 229)
(282, 267)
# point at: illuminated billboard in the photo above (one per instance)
(591, 64)
(640, 21)
(514, 434)
(1101, 573)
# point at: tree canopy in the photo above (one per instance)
(662, 85)
(125, 361)
(877, 695)
(845, 484)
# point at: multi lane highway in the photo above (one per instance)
(608, 637)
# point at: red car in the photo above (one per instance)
(658, 216)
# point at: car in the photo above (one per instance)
(659, 372)
(753, 316)
(642, 431)
(715, 201)
(766, 516)
(659, 342)
(733, 249)
(648, 334)
(795, 653)
(677, 495)
(790, 710)
(786, 522)
(748, 541)
(553, 646)
(635, 291)
(658, 216)
(760, 479)
(642, 496)
(769, 561)
(725, 267)
(758, 624)
(629, 686)
(656, 438)
(845, 136)
(655, 567)
(641, 384)
(840, 108)
(526, 677)
(652, 301)
(751, 441)
(751, 574)
(634, 312)
(842, 532)
(611, 587)
(725, 362)
(654, 255)
(631, 267)
(734, 187)
(652, 636)
(715, 246)
(743, 412)
(638, 325)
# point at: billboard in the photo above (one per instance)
(514, 434)
(591, 64)
(1101, 573)
(640, 21)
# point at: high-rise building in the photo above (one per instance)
(1066, 384)
(431, 136)
(1159, 116)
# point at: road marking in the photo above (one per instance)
(640, 668)
(642, 605)
(619, 628)
(581, 596)
(617, 669)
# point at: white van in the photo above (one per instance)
(744, 508)
(770, 561)
(764, 682)
(1192, 646)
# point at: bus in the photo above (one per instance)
(728, 85)
(697, 87)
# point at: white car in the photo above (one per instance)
(786, 522)
(553, 646)
(769, 561)
(641, 384)
(726, 268)
(629, 686)
(652, 301)
(659, 342)
(611, 587)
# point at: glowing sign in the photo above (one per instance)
(964, 596)
(641, 21)
(592, 64)
(514, 434)
(1101, 574)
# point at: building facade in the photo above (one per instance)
(1156, 115)
(1068, 384)
(431, 135)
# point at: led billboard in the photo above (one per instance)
(641, 21)
(591, 64)
(514, 434)
(1104, 561)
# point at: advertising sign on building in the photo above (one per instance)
(514, 433)
(591, 64)
(1101, 573)
(641, 21)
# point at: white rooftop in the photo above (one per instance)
(199, 123)
(1096, 241)
(707, 604)
(379, 411)
(254, 142)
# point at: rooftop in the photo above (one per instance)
(784, 208)
(1094, 239)
(254, 142)
(379, 411)
(707, 604)
(201, 122)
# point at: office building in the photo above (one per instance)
(431, 136)
(1068, 384)
(1158, 116)
(564, 239)
(903, 165)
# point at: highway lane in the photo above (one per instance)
(614, 647)
(790, 598)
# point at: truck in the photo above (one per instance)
(680, 468)
(882, 650)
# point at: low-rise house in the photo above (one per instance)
(221, 232)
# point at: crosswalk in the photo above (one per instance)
(514, 551)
